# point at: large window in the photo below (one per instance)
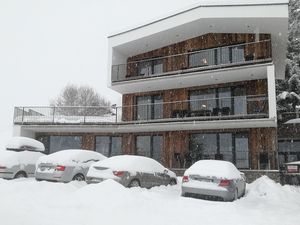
(217, 56)
(146, 68)
(57, 143)
(219, 101)
(288, 151)
(149, 107)
(203, 100)
(109, 146)
(150, 146)
(222, 146)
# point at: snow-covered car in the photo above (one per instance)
(19, 158)
(213, 179)
(131, 171)
(66, 165)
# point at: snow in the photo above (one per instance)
(107, 118)
(24, 143)
(4, 138)
(130, 163)
(293, 163)
(292, 121)
(217, 168)
(28, 202)
(12, 158)
(70, 157)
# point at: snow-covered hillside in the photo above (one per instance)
(28, 202)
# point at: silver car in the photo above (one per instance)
(131, 171)
(19, 158)
(213, 179)
(66, 165)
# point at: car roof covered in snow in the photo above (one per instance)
(71, 156)
(24, 143)
(214, 168)
(132, 163)
(293, 163)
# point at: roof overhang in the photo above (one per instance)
(246, 17)
(151, 127)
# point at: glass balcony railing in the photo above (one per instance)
(238, 107)
(214, 58)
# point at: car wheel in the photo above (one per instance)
(173, 182)
(134, 183)
(20, 174)
(78, 177)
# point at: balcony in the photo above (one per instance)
(228, 108)
(196, 61)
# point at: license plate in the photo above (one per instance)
(292, 169)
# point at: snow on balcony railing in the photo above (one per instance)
(213, 58)
(237, 107)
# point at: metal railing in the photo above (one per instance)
(239, 107)
(65, 115)
(213, 58)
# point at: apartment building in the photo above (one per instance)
(195, 84)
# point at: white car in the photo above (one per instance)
(213, 179)
(66, 165)
(131, 171)
(19, 158)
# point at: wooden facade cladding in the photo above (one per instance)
(261, 141)
(256, 87)
(261, 50)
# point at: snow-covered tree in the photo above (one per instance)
(72, 95)
(289, 90)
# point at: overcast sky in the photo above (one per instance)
(47, 44)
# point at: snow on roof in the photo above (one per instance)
(203, 3)
(71, 156)
(217, 168)
(293, 121)
(24, 143)
(131, 163)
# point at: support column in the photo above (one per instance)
(271, 92)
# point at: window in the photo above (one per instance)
(202, 58)
(240, 101)
(203, 100)
(222, 146)
(241, 151)
(146, 68)
(150, 146)
(109, 146)
(238, 54)
(58, 143)
(288, 151)
(149, 107)
(217, 56)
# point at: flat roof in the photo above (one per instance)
(203, 4)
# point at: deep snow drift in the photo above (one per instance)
(28, 202)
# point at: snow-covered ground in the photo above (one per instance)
(28, 202)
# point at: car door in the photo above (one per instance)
(27, 160)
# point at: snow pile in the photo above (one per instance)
(214, 168)
(71, 157)
(28, 202)
(25, 143)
